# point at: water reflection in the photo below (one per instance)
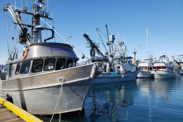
(109, 102)
(140, 100)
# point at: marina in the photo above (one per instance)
(106, 76)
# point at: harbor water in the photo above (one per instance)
(147, 100)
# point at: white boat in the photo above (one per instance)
(165, 70)
(145, 70)
(146, 66)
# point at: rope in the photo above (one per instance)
(60, 94)
(6, 31)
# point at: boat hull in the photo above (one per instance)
(38, 94)
(109, 78)
(145, 74)
(163, 74)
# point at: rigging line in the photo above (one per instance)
(53, 25)
(6, 31)
(81, 54)
(12, 37)
(152, 44)
(103, 34)
(14, 24)
(27, 17)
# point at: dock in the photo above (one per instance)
(7, 116)
(12, 113)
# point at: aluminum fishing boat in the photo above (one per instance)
(45, 71)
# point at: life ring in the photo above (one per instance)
(125, 71)
(24, 54)
(17, 72)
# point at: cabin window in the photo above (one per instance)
(74, 63)
(154, 68)
(157, 68)
(17, 69)
(69, 63)
(162, 67)
(25, 67)
(150, 68)
(37, 65)
(49, 64)
(60, 63)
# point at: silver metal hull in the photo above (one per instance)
(38, 94)
(145, 74)
(108, 78)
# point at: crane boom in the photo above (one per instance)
(93, 45)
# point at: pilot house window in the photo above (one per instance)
(60, 63)
(69, 63)
(17, 69)
(49, 64)
(37, 65)
(74, 63)
(25, 67)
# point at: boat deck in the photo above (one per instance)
(7, 116)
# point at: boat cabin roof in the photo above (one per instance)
(48, 50)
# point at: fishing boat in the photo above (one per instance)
(116, 64)
(45, 79)
(146, 66)
(145, 69)
(165, 69)
(3, 72)
(180, 61)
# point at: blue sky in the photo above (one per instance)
(127, 19)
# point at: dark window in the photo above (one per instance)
(69, 63)
(25, 67)
(60, 63)
(37, 65)
(17, 69)
(158, 68)
(74, 63)
(49, 64)
(150, 68)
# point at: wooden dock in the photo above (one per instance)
(16, 115)
(7, 116)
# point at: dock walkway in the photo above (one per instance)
(7, 116)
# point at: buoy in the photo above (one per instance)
(8, 98)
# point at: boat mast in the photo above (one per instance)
(147, 42)
(36, 35)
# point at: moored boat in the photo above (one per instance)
(165, 70)
(45, 71)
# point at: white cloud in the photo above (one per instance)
(3, 60)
